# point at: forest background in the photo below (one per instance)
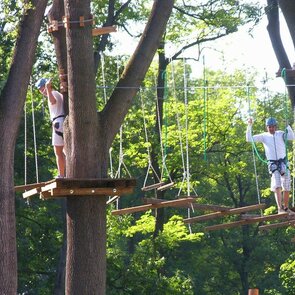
(201, 143)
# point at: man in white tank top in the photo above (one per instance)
(57, 115)
(275, 151)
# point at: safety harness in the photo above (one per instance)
(56, 127)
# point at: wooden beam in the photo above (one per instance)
(171, 203)
(246, 221)
(25, 187)
(277, 225)
(102, 191)
(226, 212)
(152, 186)
(189, 203)
(31, 192)
(165, 186)
(65, 187)
(103, 30)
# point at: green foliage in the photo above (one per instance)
(287, 276)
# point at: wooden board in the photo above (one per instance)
(190, 204)
(222, 213)
(277, 225)
(171, 203)
(246, 221)
(65, 187)
(103, 30)
(25, 187)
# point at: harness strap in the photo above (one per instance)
(59, 116)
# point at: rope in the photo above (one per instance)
(25, 139)
(163, 147)
(34, 135)
(254, 150)
(150, 166)
(205, 92)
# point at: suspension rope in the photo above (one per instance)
(163, 147)
(34, 134)
(205, 93)
(25, 143)
(179, 128)
(150, 166)
(253, 154)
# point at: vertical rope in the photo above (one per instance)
(25, 143)
(253, 151)
(34, 134)
(205, 89)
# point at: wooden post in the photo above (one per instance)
(253, 291)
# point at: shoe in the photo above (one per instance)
(290, 212)
(281, 211)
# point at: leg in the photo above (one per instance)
(286, 199)
(277, 189)
(278, 197)
(60, 160)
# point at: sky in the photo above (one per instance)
(238, 51)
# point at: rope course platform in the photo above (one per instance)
(155, 204)
(182, 202)
(224, 212)
(250, 221)
(67, 187)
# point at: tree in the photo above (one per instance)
(12, 100)
(87, 152)
(288, 10)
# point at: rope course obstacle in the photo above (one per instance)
(72, 187)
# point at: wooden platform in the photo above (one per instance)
(224, 212)
(67, 187)
(192, 205)
(277, 225)
(155, 203)
(250, 221)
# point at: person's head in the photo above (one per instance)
(271, 125)
(40, 84)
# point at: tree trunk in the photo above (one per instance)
(11, 107)
(56, 13)
(88, 138)
(276, 41)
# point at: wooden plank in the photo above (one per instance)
(277, 225)
(171, 203)
(190, 203)
(31, 192)
(246, 221)
(97, 183)
(152, 186)
(165, 186)
(67, 192)
(25, 187)
(132, 209)
(103, 30)
(226, 212)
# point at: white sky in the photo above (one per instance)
(237, 51)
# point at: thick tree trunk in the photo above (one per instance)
(11, 106)
(56, 13)
(88, 137)
(274, 33)
(86, 225)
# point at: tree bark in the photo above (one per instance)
(88, 137)
(273, 28)
(11, 107)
